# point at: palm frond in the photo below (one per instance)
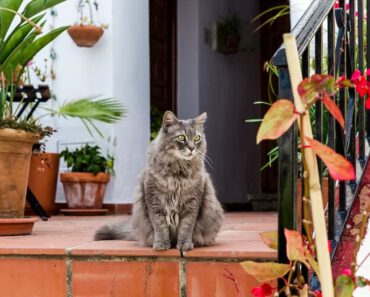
(106, 110)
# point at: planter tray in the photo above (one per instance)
(21, 226)
(84, 211)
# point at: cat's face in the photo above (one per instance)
(184, 139)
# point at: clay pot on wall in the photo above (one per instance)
(15, 157)
(84, 190)
(85, 35)
(43, 178)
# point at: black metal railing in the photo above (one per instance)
(339, 53)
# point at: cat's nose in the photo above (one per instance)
(191, 148)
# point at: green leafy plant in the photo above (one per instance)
(88, 159)
(227, 33)
(20, 40)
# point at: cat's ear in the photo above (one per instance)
(169, 119)
(201, 119)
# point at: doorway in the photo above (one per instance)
(163, 55)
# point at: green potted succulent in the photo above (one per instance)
(85, 32)
(21, 38)
(84, 186)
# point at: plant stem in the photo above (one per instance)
(317, 208)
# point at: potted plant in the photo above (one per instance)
(20, 40)
(85, 33)
(227, 34)
(85, 185)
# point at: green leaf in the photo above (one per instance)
(13, 60)
(265, 272)
(37, 6)
(278, 119)
(6, 17)
(16, 37)
(39, 44)
(344, 286)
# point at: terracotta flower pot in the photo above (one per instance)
(15, 157)
(85, 35)
(84, 190)
(43, 178)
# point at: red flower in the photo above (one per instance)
(318, 293)
(263, 291)
(336, 4)
(367, 103)
(347, 6)
(360, 82)
(330, 246)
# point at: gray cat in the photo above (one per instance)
(175, 202)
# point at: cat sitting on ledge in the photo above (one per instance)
(175, 201)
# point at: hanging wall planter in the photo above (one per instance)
(85, 35)
(86, 32)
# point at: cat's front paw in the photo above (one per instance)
(161, 245)
(185, 246)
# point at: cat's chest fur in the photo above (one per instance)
(174, 191)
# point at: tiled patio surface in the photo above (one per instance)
(60, 259)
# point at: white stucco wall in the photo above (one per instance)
(118, 66)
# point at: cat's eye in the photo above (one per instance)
(181, 138)
(197, 138)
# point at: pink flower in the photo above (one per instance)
(263, 291)
(336, 4)
(318, 293)
(347, 272)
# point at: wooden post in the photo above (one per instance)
(317, 208)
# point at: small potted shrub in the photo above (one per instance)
(85, 33)
(227, 34)
(84, 187)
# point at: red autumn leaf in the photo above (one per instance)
(311, 88)
(270, 238)
(339, 168)
(295, 249)
(277, 120)
(265, 272)
(333, 109)
(343, 82)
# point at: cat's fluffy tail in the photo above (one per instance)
(116, 231)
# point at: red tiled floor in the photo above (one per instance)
(137, 279)
(62, 257)
(32, 277)
(208, 279)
